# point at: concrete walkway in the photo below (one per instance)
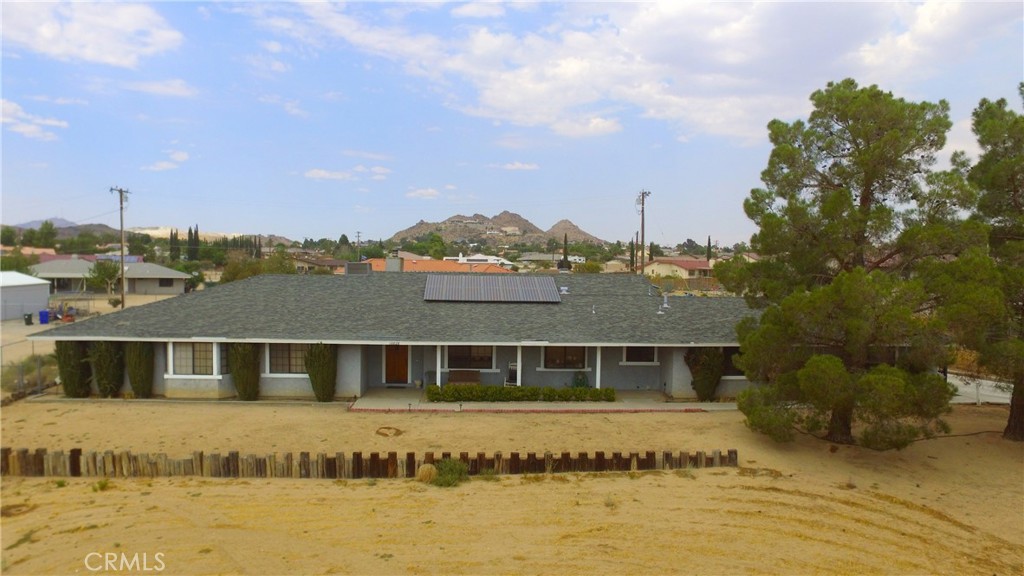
(411, 400)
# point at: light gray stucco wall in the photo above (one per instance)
(676, 376)
(351, 372)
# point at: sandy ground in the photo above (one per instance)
(952, 505)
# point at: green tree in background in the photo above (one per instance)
(104, 275)
(46, 236)
(999, 175)
(8, 235)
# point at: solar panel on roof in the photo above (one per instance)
(490, 288)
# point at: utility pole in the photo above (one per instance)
(121, 192)
(641, 200)
(359, 246)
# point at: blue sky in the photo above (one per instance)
(315, 119)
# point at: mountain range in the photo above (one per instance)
(505, 228)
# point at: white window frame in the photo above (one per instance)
(171, 373)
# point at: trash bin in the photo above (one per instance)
(28, 319)
(44, 316)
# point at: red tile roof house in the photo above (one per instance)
(392, 329)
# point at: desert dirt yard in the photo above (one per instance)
(951, 505)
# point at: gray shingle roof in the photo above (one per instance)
(389, 307)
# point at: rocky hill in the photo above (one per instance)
(505, 228)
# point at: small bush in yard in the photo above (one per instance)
(322, 367)
(451, 472)
(245, 370)
(74, 369)
(426, 473)
(138, 360)
(108, 367)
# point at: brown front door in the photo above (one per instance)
(396, 364)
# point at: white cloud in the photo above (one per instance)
(586, 127)
(321, 174)
(702, 68)
(174, 87)
(926, 37)
(160, 166)
(423, 194)
(291, 107)
(108, 33)
(176, 158)
(28, 125)
(517, 166)
(60, 101)
(478, 10)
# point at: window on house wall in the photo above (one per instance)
(166, 282)
(565, 357)
(225, 363)
(288, 358)
(729, 368)
(640, 354)
(193, 358)
(474, 357)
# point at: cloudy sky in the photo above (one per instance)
(314, 119)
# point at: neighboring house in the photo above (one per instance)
(536, 258)
(146, 278)
(696, 274)
(428, 265)
(398, 329)
(480, 259)
(311, 265)
(21, 294)
(65, 274)
(679, 267)
(71, 275)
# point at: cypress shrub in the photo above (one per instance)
(139, 363)
(707, 367)
(73, 367)
(244, 361)
(107, 367)
(322, 367)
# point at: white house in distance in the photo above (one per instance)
(21, 294)
(480, 259)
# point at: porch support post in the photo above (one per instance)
(519, 364)
(216, 358)
(597, 369)
(438, 370)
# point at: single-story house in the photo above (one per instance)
(428, 265)
(148, 278)
(22, 294)
(65, 274)
(397, 330)
(71, 274)
(480, 259)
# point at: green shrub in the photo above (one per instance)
(707, 367)
(580, 380)
(107, 366)
(139, 363)
(244, 360)
(73, 367)
(482, 393)
(450, 472)
(322, 367)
